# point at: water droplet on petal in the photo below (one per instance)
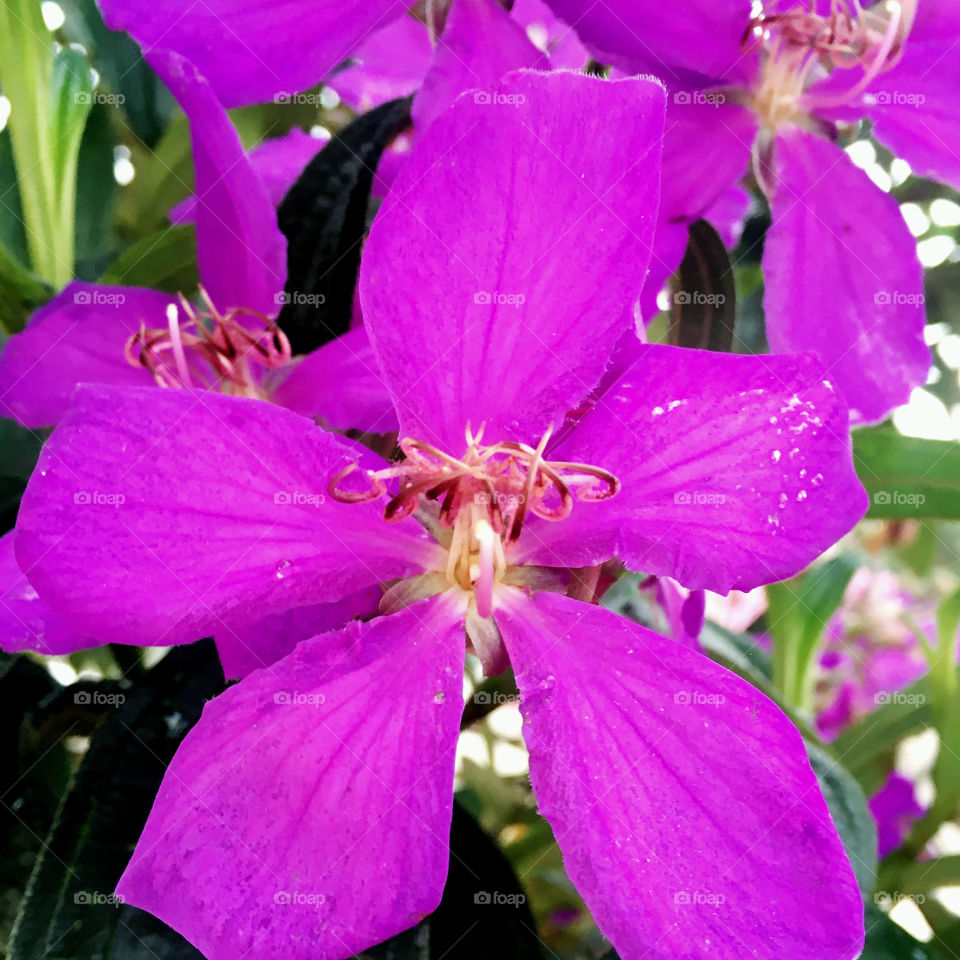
(283, 568)
(439, 697)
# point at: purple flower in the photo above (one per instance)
(308, 813)
(770, 91)
(895, 808)
(272, 52)
(130, 336)
(869, 650)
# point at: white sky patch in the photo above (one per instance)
(329, 98)
(863, 153)
(917, 220)
(123, 170)
(926, 417)
(53, 15)
(899, 171)
(935, 250)
(945, 213)
(4, 111)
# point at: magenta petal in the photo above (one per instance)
(241, 252)
(389, 63)
(480, 43)
(249, 647)
(26, 622)
(340, 385)
(308, 813)
(680, 795)
(706, 150)
(251, 52)
(702, 37)
(514, 219)
(161, 516)
(843, 278)
(735, 471)
(914, 106)
(277, 162)
(78, 337)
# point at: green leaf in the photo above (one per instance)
(136, 88)
(166, 260)
(798, 610)
(907, 477)
(704, 304)
(69, 912)
(866, 748)
(96, 190)
(33, 773)
(887, 940)
(852, 817)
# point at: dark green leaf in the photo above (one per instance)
(20, 447)
(324, 218)
(96, 188)
(888, 941)
(33, 773)
(797, 613)
(482, 901)
(866, 748)
(703, 310)
(69, 912)
(848, 807)
(907, 477)
(166, 260)
(138, 90)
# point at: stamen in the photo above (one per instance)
(223, 345)
(484, 497)
(801, 47)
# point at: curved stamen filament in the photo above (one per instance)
(223, 345)
(801, 47)
(507, 479)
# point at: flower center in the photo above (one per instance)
(476, 505)
(209, 349)
(801, 47)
